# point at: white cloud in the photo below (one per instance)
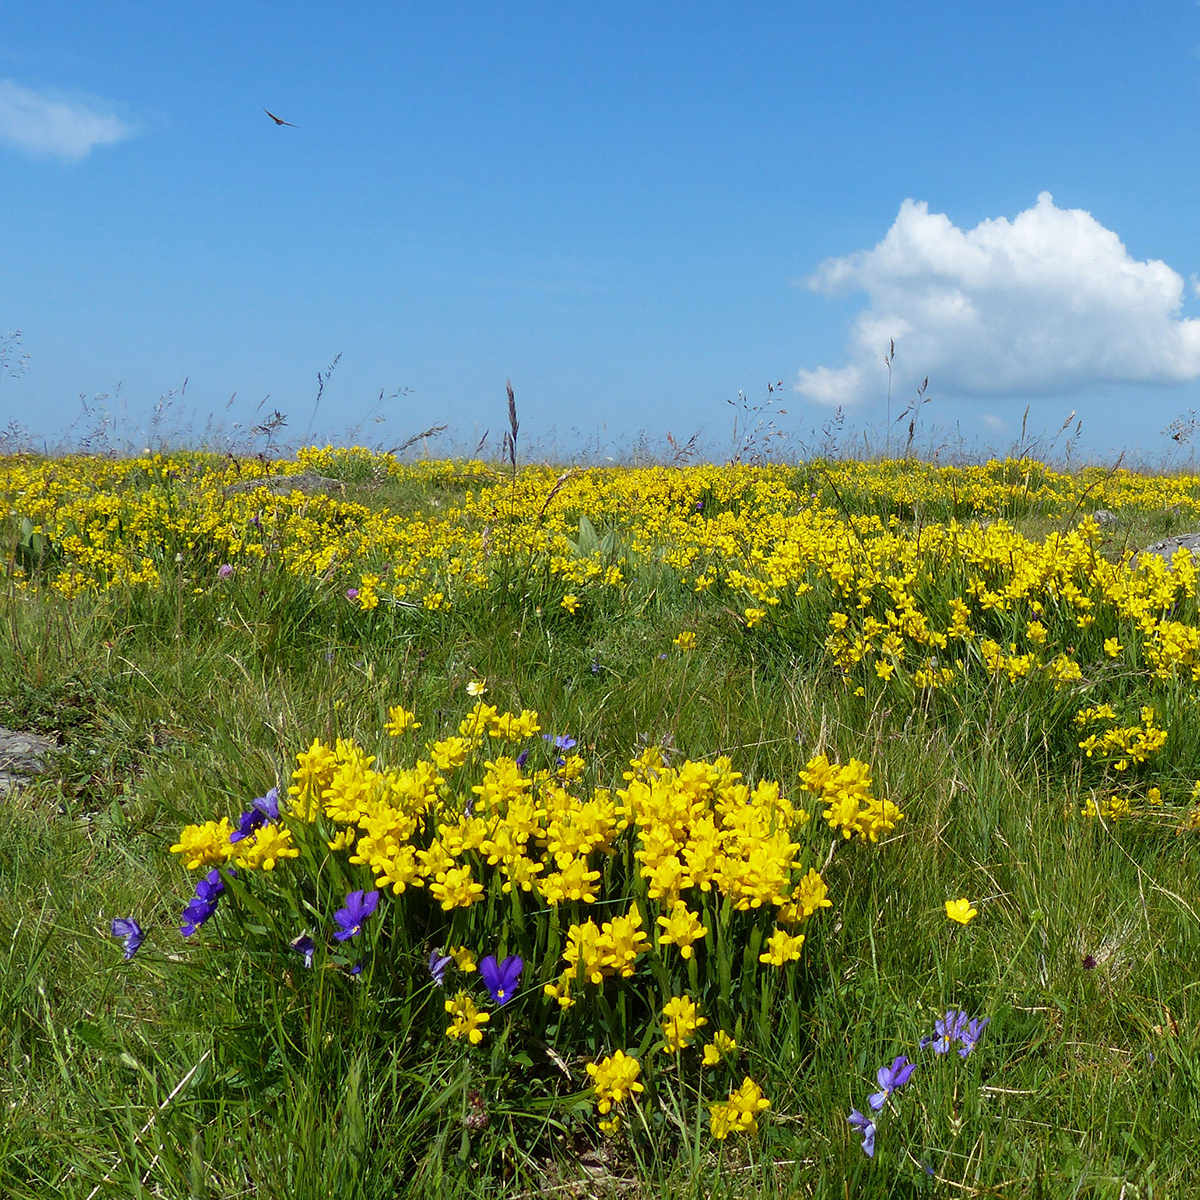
(49, 123)
(1049, 303)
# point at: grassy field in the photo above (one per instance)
(965, 688)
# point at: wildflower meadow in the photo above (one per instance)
(451, 828)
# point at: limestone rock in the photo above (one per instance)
(1168, 546)
(22, 755)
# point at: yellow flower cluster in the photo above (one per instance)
(209, 845)
(1121, 745)
(674, 851)
(466, 1019)
(846, 792)
(614, 1080)
(738, 1114)
(680, 1023)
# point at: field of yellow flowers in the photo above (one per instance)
(451, 828)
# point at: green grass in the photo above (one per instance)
(207, 1071)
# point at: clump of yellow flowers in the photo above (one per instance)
(680, 864)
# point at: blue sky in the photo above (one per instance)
(632, 211)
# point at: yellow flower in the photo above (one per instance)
(782, 948)
(1112, 647)
(721, 1047)
(400, 720)
(455, 888)
(681, 928)
(570, 602)
(269, 844)
(477, 687)
(686, 640)
(754, 616)
(740, 1112)
(614, 1079)
(680, 1023)
(745, 1103)
(720, 1120)
(961, 911)
(467, 1019)
(203, 845)
(464, 960)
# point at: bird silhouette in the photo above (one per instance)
(279, 120)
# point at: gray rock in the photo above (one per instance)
(22, 755)
(308, 482)
(1103, 516)
(1167, 547)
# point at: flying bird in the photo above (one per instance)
(279, 120)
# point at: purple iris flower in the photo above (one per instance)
(890, 1078)
(562, 742)
(131, 931)
(437, 966)
(356, 969)
(522, 758)
(501, 979)
(203, 904)
(306, 946)
(359, 906)
(866, 1127)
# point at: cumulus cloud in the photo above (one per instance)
(1050, 303)
(58, 126)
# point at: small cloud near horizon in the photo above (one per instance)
(1050, 303)
(55, 125)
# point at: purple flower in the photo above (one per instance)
(248, 823)
(359, 906)
(866, 1127)
(306, 946)
(356, 969)
(562, 742)
(956, 1026)
(224, 570)
(262, 811)
(522, 758)
(890, 1078)
(203, 904)
(352, 594)
(131, 931)
(1089, 962)
(972, 1034)
(595, 668)
(268, 805)
(501, 979)
(437, 966)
